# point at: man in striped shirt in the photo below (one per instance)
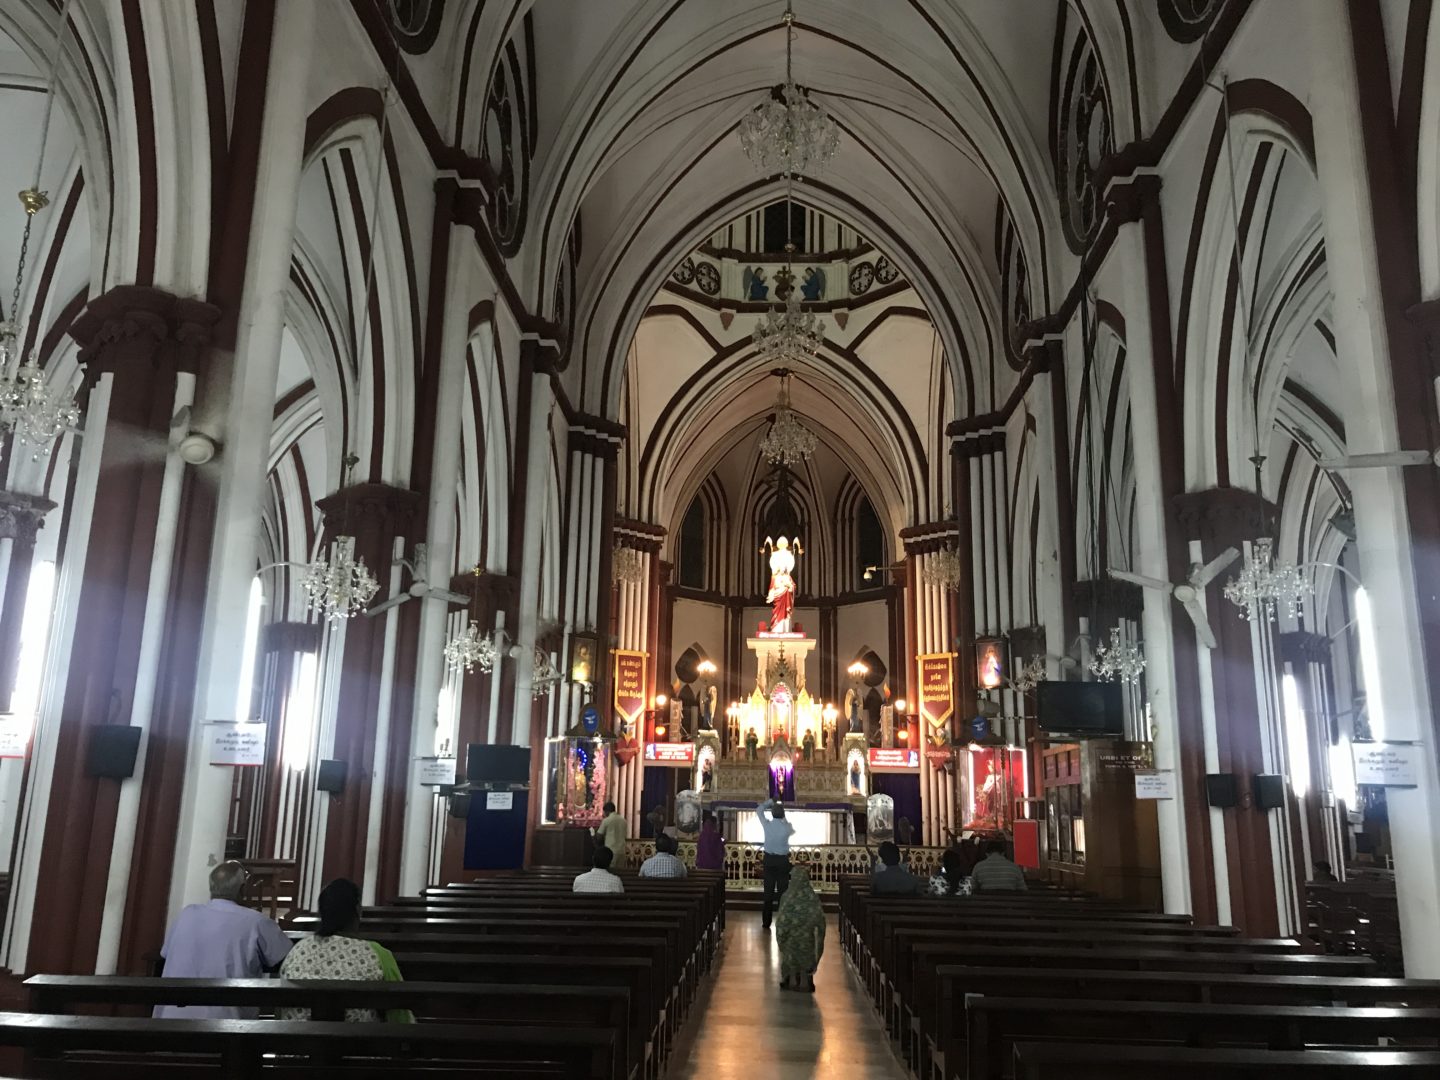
(996, 873)
(664, 863)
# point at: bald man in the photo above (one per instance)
(221, 940)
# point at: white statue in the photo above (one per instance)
(781, 596)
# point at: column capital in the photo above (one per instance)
(127, 326)
(924, 539)
(1108, 601)
(21, 515)
(640, 535)
(1302, 647)
(1223, 516)
(1127, 202)
(400, 509)
(502, 590)
(976, 437)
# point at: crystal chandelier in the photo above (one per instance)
(788, 335)
(341, 586)
(1029, 676)
(26, 405)
(627, 566)
(944, 568)
(1266, 587)
(547, 676)
(1120, 659)
(789, 134)
(788, 442)
(470, 649)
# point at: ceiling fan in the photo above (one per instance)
(1188, 592)
(1398, 459)
(419, 588)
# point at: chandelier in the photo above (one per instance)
(788, 442)
(944, 568)
(788, 133)
(1266, 587)
(788, 335)
(1030, 676)
(341, 586)
(1120, 659)
(470, 649)
(26, 405)
(547, 676)
(627, 566)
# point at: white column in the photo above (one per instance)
(440, 548)
(1151, 559)
(537, 474)
(1398, 694)
(380, 756)
(200, 842)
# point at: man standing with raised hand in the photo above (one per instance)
(777, 854)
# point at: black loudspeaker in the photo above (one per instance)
(1222, 790)
(1269, 791)
(331, 777)
(486, 764)
(112, 750)
(458, 806)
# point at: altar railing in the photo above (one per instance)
(744, 862)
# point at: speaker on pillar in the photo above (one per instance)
(458, 805)
(1222, 790)
(331, 777)
(112, 750)
(1269, 791)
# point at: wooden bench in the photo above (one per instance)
(76, 1047)
(1071, 1061)
(995, 1024)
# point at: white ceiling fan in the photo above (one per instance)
(1189, 591)
(1397, 459)
(419, 589)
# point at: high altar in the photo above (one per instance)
(782, 742)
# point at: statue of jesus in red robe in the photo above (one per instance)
(781, 596)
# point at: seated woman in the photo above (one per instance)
(335, 952)
(952, 880)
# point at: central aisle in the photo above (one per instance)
(744, 1027)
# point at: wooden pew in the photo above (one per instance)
(995, 1024)
(80, 1047)
(1071, 1061)
(603, 1007)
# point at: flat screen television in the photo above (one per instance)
(498, 764)
(1085, 710)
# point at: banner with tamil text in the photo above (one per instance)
(937, 687)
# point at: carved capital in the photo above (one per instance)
(136, 328)
(21, 516)
(1107, 601)
(640, 535)
(1127, 202)
(393, 510)
(1027, 641)
(291, 637)
(1225, 517)
(494, 590)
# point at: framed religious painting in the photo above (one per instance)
(989, 663)
(584, 656)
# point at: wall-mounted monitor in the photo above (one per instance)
(1082, 710)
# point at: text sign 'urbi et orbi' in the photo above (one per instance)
(670, 753)
(937, 688)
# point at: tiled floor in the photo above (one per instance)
(744, 1027)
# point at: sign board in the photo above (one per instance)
(1127, 757)
(241, 745)
(1386, 764)
(629, 690)
(14, 738)
(1154, 785)
(499, 800)
(670, 753)
(897, 757)
(937, 687)
(436, 771)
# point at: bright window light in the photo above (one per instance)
(300, 713)
(1297, 738)
(34, 636)
(1342, 774)
(1369, 663)
(247, 655)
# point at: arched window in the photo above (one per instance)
(869, 545)
(774, 238)
(692, 546)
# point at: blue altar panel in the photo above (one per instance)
(495, 839)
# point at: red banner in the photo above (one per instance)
(898, 757)
(629, 692)
(937, 687)
(670, 753)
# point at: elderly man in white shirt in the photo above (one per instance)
(599, 879)
(776, 854)
(664, 863)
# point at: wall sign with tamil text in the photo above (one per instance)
(937, 687)
(241, 745)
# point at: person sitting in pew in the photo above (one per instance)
(220, 940)
(952, 879)
(337, 952)
(664, 863)
(996, 873)
(599, 879)
(1323, 873)
(891, 878)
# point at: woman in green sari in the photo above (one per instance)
(800, 932)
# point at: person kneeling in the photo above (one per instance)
(338, 952)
